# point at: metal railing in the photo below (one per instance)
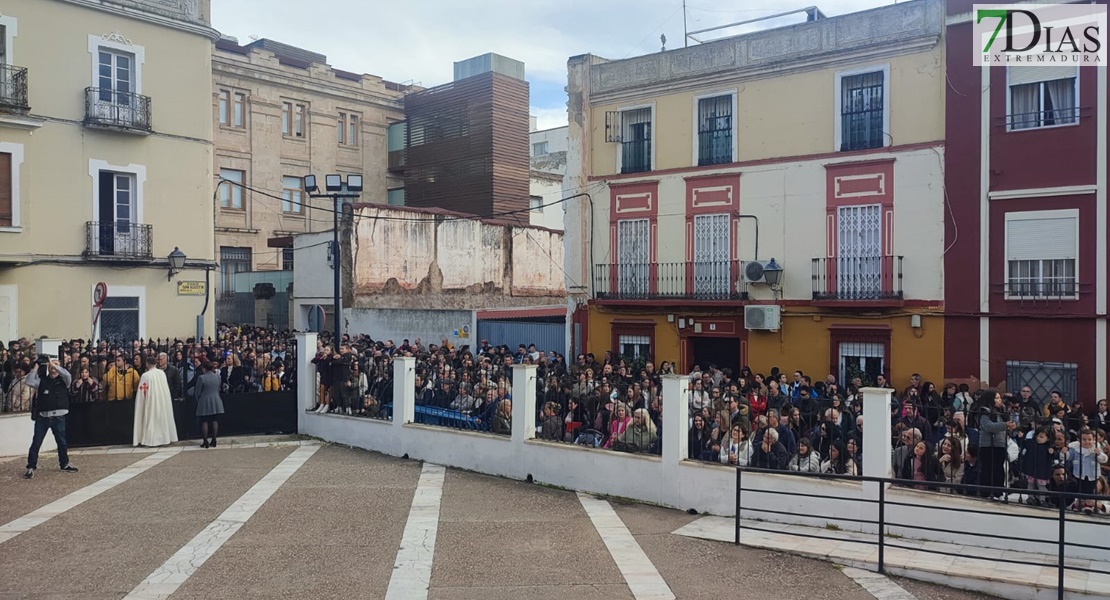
(120, 240)
(636, 156)
(108, 108)
(1042, 118)
(877, 278)
(718, 280)
(13, 88)
(1045, 288)
(1060, 501)
(715, 145)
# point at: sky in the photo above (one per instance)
(418, 41)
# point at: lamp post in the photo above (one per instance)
(335, 189)
(772, 274)
(177, 262)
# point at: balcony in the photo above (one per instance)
(871, 281)
(117, 111)
(697, 281)
(636, 156)
(1042, 289)
(13, 89)
(120, 241)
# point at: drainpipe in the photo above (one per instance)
(756, 219)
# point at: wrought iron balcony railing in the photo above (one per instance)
(112, 109)
(13, 88)
(868, 279)
(669, 281)
(636, 156)
(121, 240)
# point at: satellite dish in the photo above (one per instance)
(753, 271)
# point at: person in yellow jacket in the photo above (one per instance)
(272, 381)
(121, 381)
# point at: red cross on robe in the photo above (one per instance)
(144, 387)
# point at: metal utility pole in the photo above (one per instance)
(685, 36)
(337, 264)
(335, 189)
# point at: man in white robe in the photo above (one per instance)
(154, 424)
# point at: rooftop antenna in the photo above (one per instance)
(253, 37)
(663, 40)
(685, 35)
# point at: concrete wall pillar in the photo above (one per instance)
(524, 403)
(675, 433)
(876, 432)
(306, 376)
(404, 400)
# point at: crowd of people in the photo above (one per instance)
(247, 359)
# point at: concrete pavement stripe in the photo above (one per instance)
(638, 571)
(44, 514)
(165, 580)
(878, 585)
(412, 571)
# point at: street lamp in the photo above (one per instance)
(772, 273)
(177, 262)
(335, 189)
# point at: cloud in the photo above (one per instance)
(419, 40)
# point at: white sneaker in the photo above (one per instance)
(348, 412)
(323, 409)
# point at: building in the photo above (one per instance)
(818, 145)
(431, 273)
(465, 142)
(548, 155)
(1026, 266)
(105, 167)
(281, 113)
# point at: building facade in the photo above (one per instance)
(465, 142)
(281, 113)
(105, 167)
(1026, 267)
(818, 145)
(548, 155)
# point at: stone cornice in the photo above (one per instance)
(222, 68)
(197, 28)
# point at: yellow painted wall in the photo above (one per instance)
(792, 115)
(801, 344)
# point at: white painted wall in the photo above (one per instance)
(670, 480)
(550, 217)
(312, 279)
(16, 432)
(399, 324)
(556, 139)
(790, 201)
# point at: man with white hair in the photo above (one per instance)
(173, 376)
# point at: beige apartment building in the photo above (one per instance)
(281, 113)
(105, 167)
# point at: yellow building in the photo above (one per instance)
(105, 167)
(818, 145)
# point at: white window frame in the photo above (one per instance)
(11, 31)
(137, 171)
(16, 150)
(695, 153)
(1027, 215)
(620, 145)
(11, 292)
(125, 291)
(838, 104)
(539, 202)
(241, 122)
(109, 42)
(1009, 100)
(541, 144)
(223, 111)
(296, 205)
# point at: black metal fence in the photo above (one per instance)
(112, 423)
(694, 280)
(868, 278)
(884, 539)
(106, 107)
(119, 240)
(13, 87)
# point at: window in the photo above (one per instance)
(341, 128)
(862, 109)
(232, 261)
(116, 77)
(633, 258)
(535, 204)
(396, 197)
(292, 195)
(286, 259)
(715, 130)
(119, 319)
(347, 129)
(539, 149)
(231, 195)
(859, 351)
(632, 130)
(225, 107)
(1042, 249)
(1042, 97)
(239, 110)
(634, 346)
(292, 119)
(1044, 378)
(7, 199)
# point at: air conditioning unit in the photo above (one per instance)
(753, 272)
(762, 317)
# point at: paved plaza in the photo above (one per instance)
(260, 519)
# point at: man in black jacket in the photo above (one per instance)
(49, 408)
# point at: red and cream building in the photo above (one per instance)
(1025, 266)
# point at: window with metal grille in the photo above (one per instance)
(1043, 378)
(636, 140)
(119, 319)
(1042, 96)
(286, 259)
(861, 359)
(634, 346)
(232, 261)
(715, 130)
(634, 257)
(1042, 248)
(861, 111)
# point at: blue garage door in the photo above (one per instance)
(546, 336)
